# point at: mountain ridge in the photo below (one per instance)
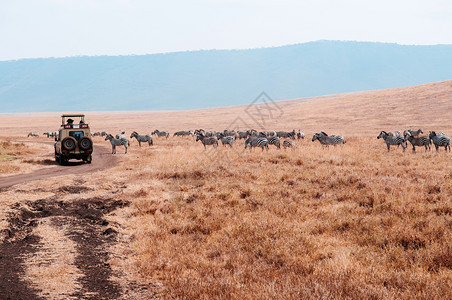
(215, 78)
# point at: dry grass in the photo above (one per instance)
(21, 157)
(345, 222)
(350, 222)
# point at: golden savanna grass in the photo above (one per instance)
(345, 222)
(341, 222)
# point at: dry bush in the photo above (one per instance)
(342, 222)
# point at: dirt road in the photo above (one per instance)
(102, 159)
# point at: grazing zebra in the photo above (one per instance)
(48, 134)
(300, 134)
(253, 142)
(392, 140)
(327, 140)
(103, 133)
(207, 140)
(440, 140)
(227, 140)
(275, 141)
(161, 133)
(419, 141)
(284, 134)
(242, 134)
(142, 138)
(183, 133)
(121, 135)
(395, 133)
(117, 142)
(413, 133)
(33, 134)
(252, 133)
(289, 144)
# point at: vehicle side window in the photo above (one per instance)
(76, 134)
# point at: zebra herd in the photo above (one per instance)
(439, 139)
(263, 139)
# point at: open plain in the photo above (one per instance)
(173, 220)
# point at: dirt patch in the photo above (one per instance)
(89, 230)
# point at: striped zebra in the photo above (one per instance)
(300, 134)
(183, 133)
(33, 134)
(117, 142)
(418, 141)
(395, 133)
(242, 134)
(142, 138)
(207, 140)
(392, 140)
(227, 140)
(253, 142)
(284, 134)
(413, 133)
(327, 140)
(440, 140)
(275, 141)
(122, 135)
(289, 144)
(103, 133)
(161, 133)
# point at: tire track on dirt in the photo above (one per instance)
(102, 159)
(89, 230)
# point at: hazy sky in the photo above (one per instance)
(46, 28)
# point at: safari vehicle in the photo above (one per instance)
(73, 141)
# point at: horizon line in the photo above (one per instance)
(219, 49)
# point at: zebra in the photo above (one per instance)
(289, 144)
(121, 135)
(183, 133)
(227, 140)
(242, 134)
(142, 138)
(275, 141)
(161, 133)
(207, 140)
(48, 134)
(33, 134)
(327, 140)
(440, 140)
(392, 140)
(117, 142)
(413, 133)
(418, 141)
(395, 133)
(253, 142)
(103, 133)
(284, 134)
(300, 134)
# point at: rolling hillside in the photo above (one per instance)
(214, 78)
(361, 113)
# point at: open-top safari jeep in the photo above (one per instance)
(74, 140)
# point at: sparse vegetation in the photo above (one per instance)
(340, 224)
(350, 222)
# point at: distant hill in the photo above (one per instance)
(213, 78)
